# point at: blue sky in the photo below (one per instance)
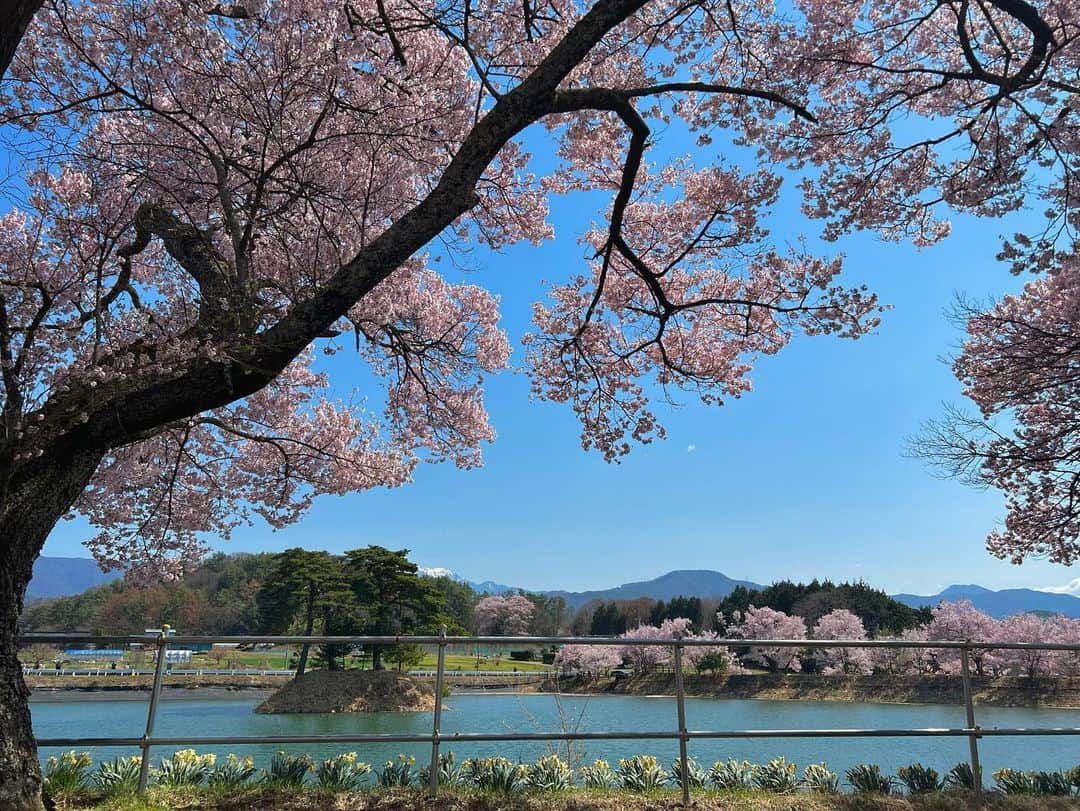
(805, 477)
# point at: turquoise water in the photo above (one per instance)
(106, 716)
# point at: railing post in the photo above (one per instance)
(151, 713)
(436, 722)
(969, 708)
(680, 705)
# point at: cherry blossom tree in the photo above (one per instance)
(503, 615)
(695, 655)
(905, 661)
(842, 624)
(1019, 365)
(767, 623)
(588, 659)
(644, 658)
(1033, 663)
(959, 621)
(214, 194)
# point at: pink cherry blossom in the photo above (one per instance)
(767, 623)
(842, 624)
(503, 615)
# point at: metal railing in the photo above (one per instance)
(972, 731)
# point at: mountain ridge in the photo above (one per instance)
(1000, 603)
(64, 576)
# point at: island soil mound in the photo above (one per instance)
(351, 691)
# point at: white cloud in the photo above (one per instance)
(1072, 588)
(691, 448)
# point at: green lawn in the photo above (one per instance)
(279, 658)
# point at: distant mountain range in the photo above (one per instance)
(999, 604)
(682, 582)
(59, 577)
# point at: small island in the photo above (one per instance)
(320, 691)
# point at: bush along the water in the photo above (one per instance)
(550, 774)
(598, 775)
(868, 779)
(695, 774)
(67, 774)
(960, 776)
(496, 774)
(342, 773)
(184, 768)
(731, 774)
(451, 774)
(398, 773)
(1035, 784)
(117, 776)
(919, 779)
(641, 773)
(777, 776)
(288, 770)
(817, 777)
(232, 771)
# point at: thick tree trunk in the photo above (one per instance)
(34, 497)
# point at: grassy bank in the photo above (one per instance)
(123, 682)
(577, 800)
(1001, 692)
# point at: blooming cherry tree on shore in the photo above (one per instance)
(842, 624)
(588, 659)
(959, 621)
(767, 623)
(503, 615)
(211, 195)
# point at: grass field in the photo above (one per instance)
(279, 658)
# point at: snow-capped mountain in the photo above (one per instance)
(485, 587)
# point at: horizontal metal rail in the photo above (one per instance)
(972, 731)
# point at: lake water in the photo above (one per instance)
(104, 715)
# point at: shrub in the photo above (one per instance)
(641, 773)
(919, 779)
(343, 772)
(549, 774)
(397, 773)
(288, 770)
(118, 776)
(1073, 776)
(868, 779)
(777, 776)
(522, 655)
(496, 774)
(1052, 784)
(232, 772)
(67, 774)
(598, 776)
(1011, 781)
(715, 663)
(732, 774)
(450, 772)
(184, 768)
(817, 777)
(696, 776)
(960, 776)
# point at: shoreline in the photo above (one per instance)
(172, 693)
(1061, 693)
